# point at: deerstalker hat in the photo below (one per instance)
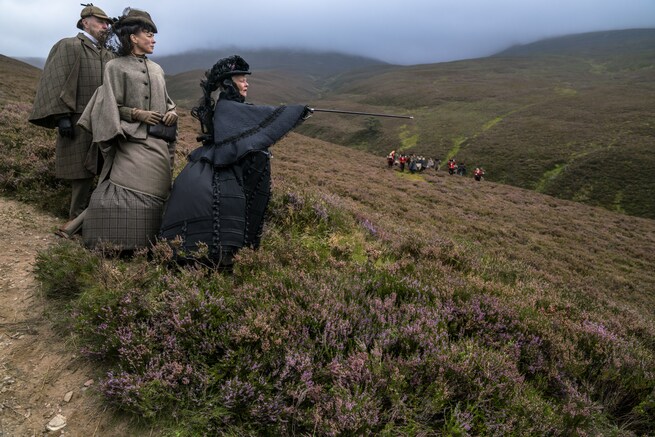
(92, 11)
(231, 66)
(136, 16)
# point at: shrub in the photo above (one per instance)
(28, 161)
(330, 330)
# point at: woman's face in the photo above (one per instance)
(241, 83)
(143, 43)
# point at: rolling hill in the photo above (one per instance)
(18, 80)
(614, 46)
(280, 76)
(577, 125)
(379, 303)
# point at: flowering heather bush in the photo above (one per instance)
(329, 330)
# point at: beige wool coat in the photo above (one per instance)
(130, 82)
(72, 72)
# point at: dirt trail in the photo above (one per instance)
(38, 368)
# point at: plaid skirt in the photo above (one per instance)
(121, 217)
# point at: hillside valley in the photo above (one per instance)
(576, 125)
(380, 302)
(569, 117)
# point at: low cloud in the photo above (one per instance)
(401, 32)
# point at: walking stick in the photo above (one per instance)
(373, 114)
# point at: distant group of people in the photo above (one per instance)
(417, 163)
(115, 120)
(414, 163)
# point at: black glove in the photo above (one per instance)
(307, 113)
(65, 127)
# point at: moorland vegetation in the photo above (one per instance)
(379, 303)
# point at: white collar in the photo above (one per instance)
(88, 35)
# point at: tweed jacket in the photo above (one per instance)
(129, 82)
(70, 76)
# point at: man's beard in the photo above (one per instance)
(102, 37)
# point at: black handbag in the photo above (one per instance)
(161, 131)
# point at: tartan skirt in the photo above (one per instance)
(121, 217)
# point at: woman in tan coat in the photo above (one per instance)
(126, 208)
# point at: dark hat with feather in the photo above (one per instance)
(135, 16)
(231, 66)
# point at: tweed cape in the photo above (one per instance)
(126, 208)
(73, 71)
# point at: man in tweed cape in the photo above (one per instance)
(71, 75)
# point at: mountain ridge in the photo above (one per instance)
(598, 43)
(572, 126)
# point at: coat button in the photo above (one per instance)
(145, 83)
(147, 97)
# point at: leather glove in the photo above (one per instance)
(169, 118)
(65, 127)
(147, 117)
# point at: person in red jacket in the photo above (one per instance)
(402, 161)
(478, 173)
(452, 166)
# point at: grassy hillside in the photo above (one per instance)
(380, 303)
(577, 125)
(568, 116)
(27, 163)
(279, 76)
(18, 81)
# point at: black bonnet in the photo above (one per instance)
(230, 66)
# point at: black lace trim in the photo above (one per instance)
(215, 249)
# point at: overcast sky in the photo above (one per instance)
(396, 31)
